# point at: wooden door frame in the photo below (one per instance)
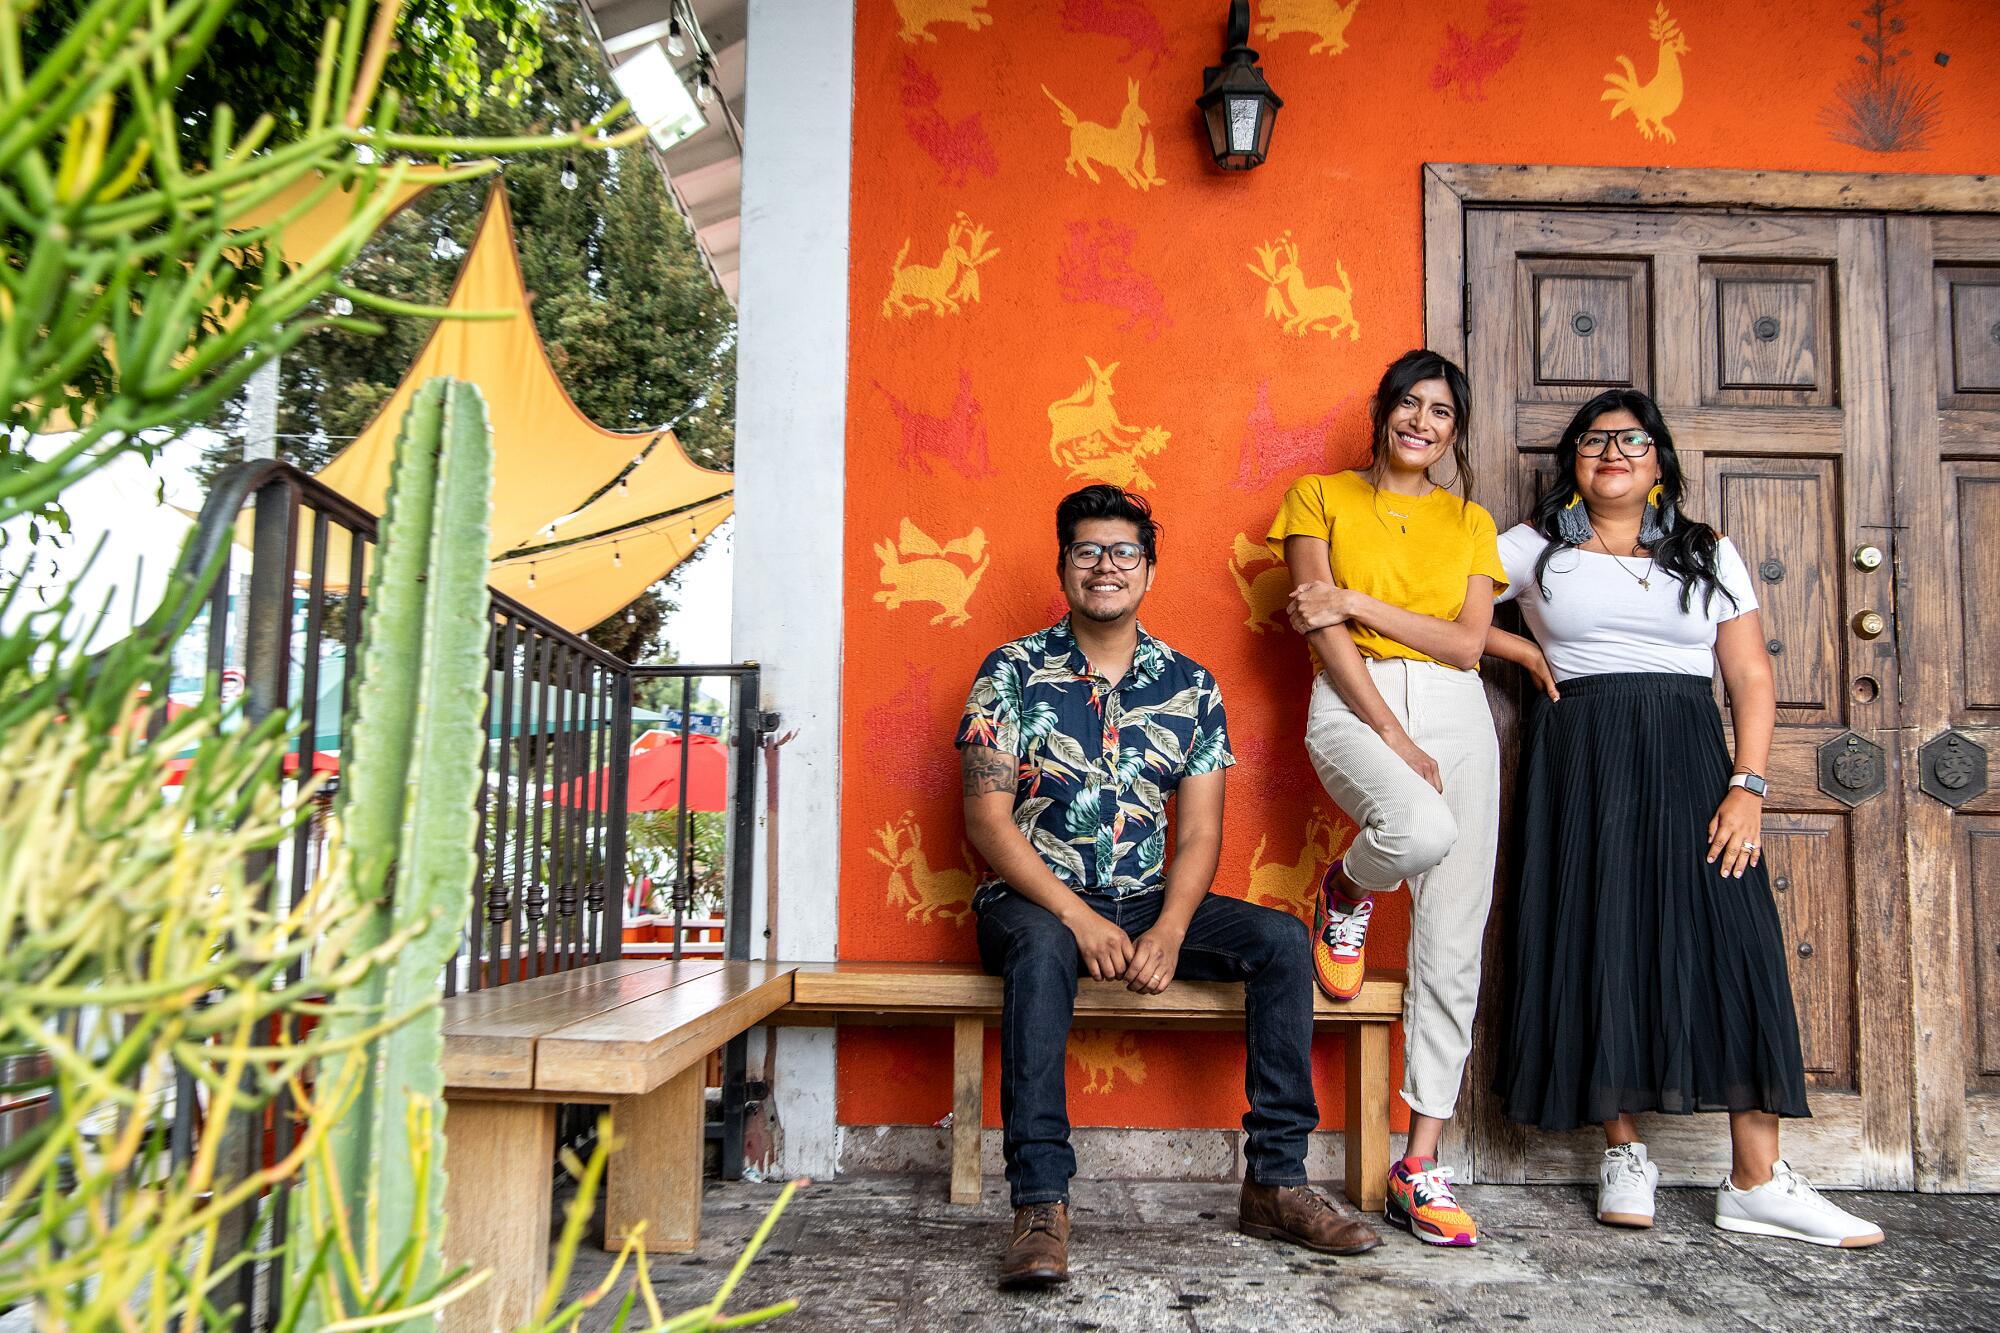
(1935, 1087)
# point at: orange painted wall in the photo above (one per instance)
(955, 460)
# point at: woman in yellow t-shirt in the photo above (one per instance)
(1393, 578)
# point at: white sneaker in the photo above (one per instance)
(1789, 1207)
(1625, 1183)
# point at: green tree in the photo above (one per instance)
(448, 56)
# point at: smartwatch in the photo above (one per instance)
(1749, 782)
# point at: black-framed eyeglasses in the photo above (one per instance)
(1631, 443)
(1124, 555)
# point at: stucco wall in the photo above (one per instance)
(1124, 329)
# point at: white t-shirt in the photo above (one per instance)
(1596, 618)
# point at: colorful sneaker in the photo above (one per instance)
(1787, 1206)
(1625, 1184)
(1421, 1203)
(1340, 941)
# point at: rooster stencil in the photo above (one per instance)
(915, 568)
(1326, 20)
(1659, 97)
(1126, 148)
(941, 286)
(1298, 307)
(1105, 1055)
(1127, 19)
(1086, 436)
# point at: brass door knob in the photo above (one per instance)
(1867, 557)
(1870, 624)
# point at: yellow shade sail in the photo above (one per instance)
(548, 458)
(578, 585)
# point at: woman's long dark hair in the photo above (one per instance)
(1687, 551)
(1405, 373)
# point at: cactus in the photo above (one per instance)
(411, 825)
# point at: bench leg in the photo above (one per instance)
(497, 1156)
(1368, 1115)
(968, 1106)
(656, 1175)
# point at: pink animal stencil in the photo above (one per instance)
(1095, 267)
(1270, 451)
(1119, 18)
(958, 437)
(1469, 60)
(909, 738)
(960, 147)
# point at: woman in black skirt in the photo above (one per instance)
(1648, 966)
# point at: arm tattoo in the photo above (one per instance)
(986, 770)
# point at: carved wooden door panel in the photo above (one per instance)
(1945, 330)
(1764, 339)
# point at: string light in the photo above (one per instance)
(676, 40)
(617, 560)
(531, 573)
(704, 91)
(342, 306)
(568, 177)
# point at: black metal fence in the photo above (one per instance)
(552, 883)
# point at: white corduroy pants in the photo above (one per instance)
(1442, 845)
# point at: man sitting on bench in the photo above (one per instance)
(1073, 740)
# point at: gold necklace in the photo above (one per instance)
(1645, 581)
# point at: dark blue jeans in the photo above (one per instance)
(1227, 940)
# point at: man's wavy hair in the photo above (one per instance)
(1105, 501)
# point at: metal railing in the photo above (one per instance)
(552, 857)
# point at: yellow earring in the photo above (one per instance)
(1577, 499)
(1653, 496)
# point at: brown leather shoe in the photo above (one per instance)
(1303, 1216)
(1038, 1256)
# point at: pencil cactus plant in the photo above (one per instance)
(411, 825)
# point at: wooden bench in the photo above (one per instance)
(632, 1034)
(970, 1000)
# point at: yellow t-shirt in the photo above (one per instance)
(1415, 552)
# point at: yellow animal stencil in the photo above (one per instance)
(1289, 887)
(916, 569)
(1086, 436)
(941, 286)
(1266, 590)
(1105, 1055)
(927, 893)
(1326, 20)
(1298, 307)
(918, 15)
(1659, 97)
(1126, 148)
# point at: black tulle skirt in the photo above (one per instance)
(1640, 979)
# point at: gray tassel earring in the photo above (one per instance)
(1658, 520)
(1573, 522)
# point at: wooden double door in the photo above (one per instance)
(1832, 382)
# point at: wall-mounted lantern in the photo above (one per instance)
(1237, 105)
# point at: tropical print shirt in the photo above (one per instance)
(1098, 760)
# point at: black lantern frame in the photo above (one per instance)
(1236, 104)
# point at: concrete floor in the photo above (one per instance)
(888, 1252)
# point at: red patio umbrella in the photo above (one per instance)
(653, 781)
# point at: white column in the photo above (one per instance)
(791, 449)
